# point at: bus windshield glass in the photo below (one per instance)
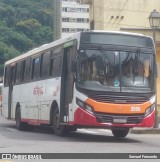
(115, 71)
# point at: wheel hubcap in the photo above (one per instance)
(57, 123)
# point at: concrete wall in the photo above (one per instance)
(128, 13)
(116, 14)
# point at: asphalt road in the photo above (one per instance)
(42, 140)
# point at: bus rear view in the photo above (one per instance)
(116, 71)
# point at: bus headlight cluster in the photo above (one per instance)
(149, 110)
(84, 106)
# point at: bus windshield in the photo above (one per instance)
(117, 71)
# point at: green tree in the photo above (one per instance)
(43, 35)
(6, 53)
(45, 17)
(24, 24)
(28, 26)
(18, 40)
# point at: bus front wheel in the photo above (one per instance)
(59, 129)
(120, 132)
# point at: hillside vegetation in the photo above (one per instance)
(24, 24)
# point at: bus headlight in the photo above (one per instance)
(89, 109)
(149, 110)
(84, 106)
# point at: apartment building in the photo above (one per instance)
(75, 17)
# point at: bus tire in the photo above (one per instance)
(59, 130)
(19, 124)
(72, 129)
(120, 132)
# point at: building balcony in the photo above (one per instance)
(89, 2)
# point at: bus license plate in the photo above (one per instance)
(119, 120)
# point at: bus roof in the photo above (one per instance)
(61, 41)
(43, 48)
(121, 32)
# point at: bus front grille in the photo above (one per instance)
(103, 118)
(119, 99)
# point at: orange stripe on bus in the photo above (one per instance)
(118, 108)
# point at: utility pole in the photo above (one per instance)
(154, 19)
(57, 19)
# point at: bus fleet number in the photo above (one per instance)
(135, 109)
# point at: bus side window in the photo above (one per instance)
(23, 64)
(56, 66)
(45, 64)
(56, 60)
(35, 68)
(27, 70)
(6, 77)
(18, 73)
(13, 73)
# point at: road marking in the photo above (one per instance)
(12, 129)
(87, 131)
(98, 131)
(105, 130)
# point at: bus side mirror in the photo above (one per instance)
(74, 66)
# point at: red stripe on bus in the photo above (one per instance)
(35, 121)
(83, 118)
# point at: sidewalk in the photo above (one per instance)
(145, 130)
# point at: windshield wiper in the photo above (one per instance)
(105, 56)
(135, 69)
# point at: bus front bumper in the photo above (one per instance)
(83, 118)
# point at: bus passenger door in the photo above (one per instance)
(67, 84)
(10, 90)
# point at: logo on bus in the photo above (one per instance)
(120, 101)
(38, 91)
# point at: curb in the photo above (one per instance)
(145, 131)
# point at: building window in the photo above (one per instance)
(70, 0)
(65, 30)
(72, 30)
(65, 19)
(72, 9)
(78, 20)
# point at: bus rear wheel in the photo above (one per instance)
(59, 129)
(120, 132)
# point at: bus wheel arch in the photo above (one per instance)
(59, 130)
